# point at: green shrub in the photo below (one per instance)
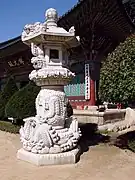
(117, 77)
(22, 103)
(8, 127)
(9, 89)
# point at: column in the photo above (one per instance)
(92, 92)
(93, 72)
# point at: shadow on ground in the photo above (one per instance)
(126, 141)
(90, 136)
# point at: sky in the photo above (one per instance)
(14, 14)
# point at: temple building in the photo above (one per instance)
(101, 26)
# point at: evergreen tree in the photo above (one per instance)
(9, 89)
(117, 78)
(22, 103)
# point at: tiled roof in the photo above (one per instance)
(72, 9)
(9, 42)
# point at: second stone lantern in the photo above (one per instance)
(51, 137)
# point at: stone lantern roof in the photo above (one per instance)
(49, 31)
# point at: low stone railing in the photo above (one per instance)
(112, 120)
(100, 118)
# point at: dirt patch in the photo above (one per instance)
(99, 162)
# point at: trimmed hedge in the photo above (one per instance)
(8, 127)
(117, 77)
(22, 103)
(9, 89)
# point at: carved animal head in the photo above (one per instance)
(37, 63)
(27, 28)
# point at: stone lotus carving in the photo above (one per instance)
(50, 131)
(48, 73)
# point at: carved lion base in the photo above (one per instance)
(70, 157)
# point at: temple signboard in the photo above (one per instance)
(16, 63)
(87, 82)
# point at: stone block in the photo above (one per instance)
(70, 157)
(130, 114)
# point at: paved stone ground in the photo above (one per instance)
(101, 162)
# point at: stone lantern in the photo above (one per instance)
(51, 137)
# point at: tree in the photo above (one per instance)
(22, 103)
(117, 78)
(9, 89)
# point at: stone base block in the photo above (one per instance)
(70, 157)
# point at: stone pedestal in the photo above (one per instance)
(69, 157)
